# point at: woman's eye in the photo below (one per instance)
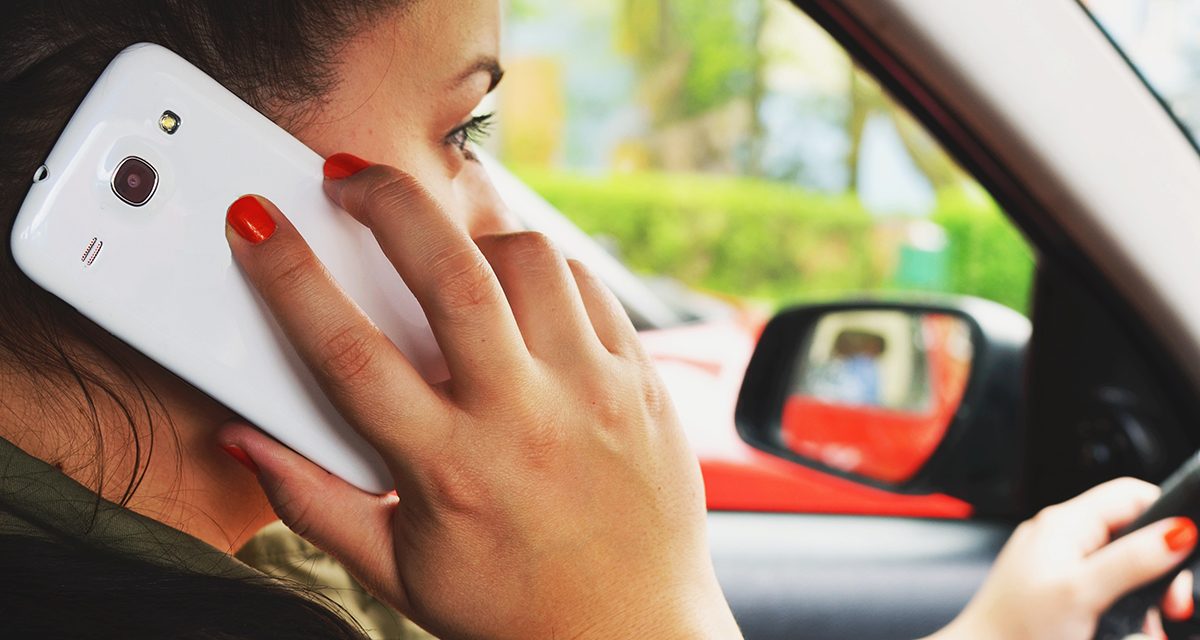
(473, 131)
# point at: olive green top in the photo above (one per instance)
(37, 499)
(279, 552)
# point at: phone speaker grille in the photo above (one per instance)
(91, 252)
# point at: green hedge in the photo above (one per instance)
(760, 240)
(989, 258)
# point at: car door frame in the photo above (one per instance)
(1070, 193)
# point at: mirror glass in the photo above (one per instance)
(873, 392)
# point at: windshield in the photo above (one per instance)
(1162, 40)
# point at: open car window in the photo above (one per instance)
(732, 150)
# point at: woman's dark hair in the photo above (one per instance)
(278, 55)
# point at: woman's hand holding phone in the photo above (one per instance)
(545, 490)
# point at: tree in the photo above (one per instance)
(695, 57)
(868, 99)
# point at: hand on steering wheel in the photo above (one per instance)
(1059, 572)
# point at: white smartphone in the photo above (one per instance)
(126, 223)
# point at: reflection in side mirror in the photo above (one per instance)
(913, 398)
(874, 391)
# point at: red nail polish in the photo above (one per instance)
(1181, 535)
(236, 453)
(343, 165)
(1190, 612)
(249, 218)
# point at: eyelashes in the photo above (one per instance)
(473, 131)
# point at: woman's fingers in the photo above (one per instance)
(1059, 572)
(542, 294)
(346, 522)
(359, 368)
(455, 285)
(1138, 558)
(608, 317)
(1105, 509)
(509, 467)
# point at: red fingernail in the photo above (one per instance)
(343, 165)
(1181, 535)
(250, 219)
(236, 453)
(1190, 612)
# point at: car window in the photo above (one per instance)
(1161, 38)
(729, 150)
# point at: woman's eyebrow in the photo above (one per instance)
(484, 64)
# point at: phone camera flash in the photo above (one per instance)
(169, 122)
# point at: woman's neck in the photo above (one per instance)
(165, 446)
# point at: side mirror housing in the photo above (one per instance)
(911, 398)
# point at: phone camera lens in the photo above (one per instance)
(134, 181)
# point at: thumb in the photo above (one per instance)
(353, 526)
(1179, 603)
(1139, 558)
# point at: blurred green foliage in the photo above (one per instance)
(692, 56)
(753, 239)
(989, 258)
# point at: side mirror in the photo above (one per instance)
(911, 398)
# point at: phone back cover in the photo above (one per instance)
(161, 276)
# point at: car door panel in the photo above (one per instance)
(828, 576)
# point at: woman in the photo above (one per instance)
(544, 491)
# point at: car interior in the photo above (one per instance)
(1104, 386)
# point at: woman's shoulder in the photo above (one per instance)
(278, 552)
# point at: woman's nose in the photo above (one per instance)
(488, 214)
